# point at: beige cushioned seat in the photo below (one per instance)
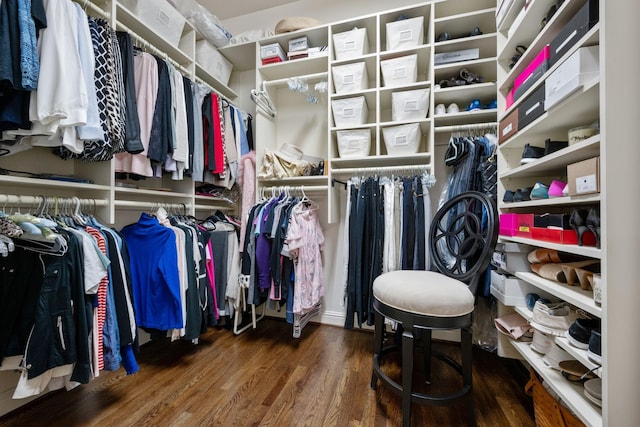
(426, 293)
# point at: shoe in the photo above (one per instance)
(585, 276)
(556, 188)
(593, 391)
(594, 351)
(593, 224)
(453, 108)
(440, 109)
(579, 333)
(522, 195)
(508, 196)
(553, 146)
(476, 32)
(541, 342)
(539, 192)
(532, 298)
(575, 371)
(469, 77)
(544, 255)
(491, 106)
(531, 153)
(570, 270)
(554, 356)
(452, 82)
(552, 318)
(578, 222)
(443, 37)
(474, 105)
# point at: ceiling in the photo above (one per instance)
(231, 8)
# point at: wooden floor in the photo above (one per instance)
(264, 377)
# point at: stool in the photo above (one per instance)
(462, 238)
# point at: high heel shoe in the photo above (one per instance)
(593, 223)
(577, 221)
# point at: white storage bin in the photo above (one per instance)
(211, 60)
(400, 71)
(576, 71)
(405, 33)
(159, 16)
(410, 104)
(351, 44)
(403, 139)
(350, 77)
(350, 111)
(354, 143)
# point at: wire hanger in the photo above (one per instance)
(262, 100)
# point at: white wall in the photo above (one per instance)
(326, 11)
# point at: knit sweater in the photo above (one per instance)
(247, 181)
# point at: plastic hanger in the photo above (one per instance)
(262, 100)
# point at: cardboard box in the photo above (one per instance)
(531, 108)
(213, 61)
(508, 126)
(272, 50)
(584, 177)
(160, 16)
(525, 225)
(554, 220)
(581, 67)
(405, 33)
(511, 257)
(351, 44)
(298, 44)
(510, 99)
(575, 29)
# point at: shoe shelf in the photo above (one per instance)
(464, 22)
(581, 108)
(462, 95)
(486, 44)
(572, 394)
(465, 117)
(574, 295)
(589, 199)
(587, 251)
(592, 38)
(549, 164)
(486, 67)
(348, 166)
(530, 34)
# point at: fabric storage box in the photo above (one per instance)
(525, 225)
(581, 67)
(584, 177)
(160, 17)
(531, 108)
(508, 126)
(575, 29)
(405, 33)
(511, 256)
(350, 111)
(400, 71)
(409, 104)
(508, 224)
(351, 44)
(354, 143)
(510, 290)
(456, 56)
(213, 61)
(403, 139)
(563, 237)
(350, 77)
(534, 71)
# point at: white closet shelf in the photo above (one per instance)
(295, 67)
(242, 55)
(464, 117)
(380, 164)
(6, 180)
(571, 393)
(369, 57)
(467, 17)
(295, 181)
(149, 192)
(588, 251)
(550, 163)
(579, 109)
(591, 199)
(510, 15)
(486, 43)
(213, 81)
(484, 66)
(467, 92)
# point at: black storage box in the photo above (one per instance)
(547, 220)
(531, 80)
(575, 29)
(531, 108)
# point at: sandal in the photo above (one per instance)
(470, 77)
(569, 269)
(575, 371)
(452, 82)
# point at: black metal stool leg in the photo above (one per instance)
(426, 343)
(378, 339)
(407, 374)
(467, 349)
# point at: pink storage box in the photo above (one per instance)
(533, 65)
(508, 224)
(510, 99)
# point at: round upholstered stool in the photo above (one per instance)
(462, 238)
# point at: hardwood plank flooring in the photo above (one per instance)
(265, 377)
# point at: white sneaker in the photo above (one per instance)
(440, 109)
(453, 108)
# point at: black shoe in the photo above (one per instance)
(508, 196)
(577, 221)
(579, 333)
(594, 352)
(553, 146)
(443, 37)
(593, 224)
(531, 154)
(522, 195)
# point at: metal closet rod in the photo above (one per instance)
(471, 126)
(11, 199)
(309, 188)
(381, 169)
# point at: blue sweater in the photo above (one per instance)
(154, 274)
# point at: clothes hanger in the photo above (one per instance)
(262, 100)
